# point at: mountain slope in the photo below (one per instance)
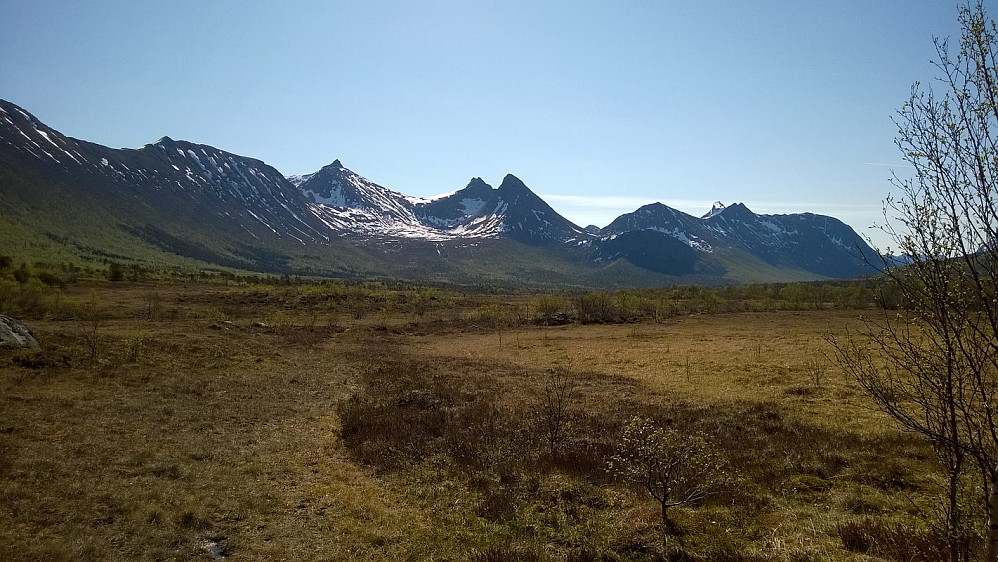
(353, 205)
(169, 197)
(179, 203)
(349, 204)
(527, 218)
(820, 245)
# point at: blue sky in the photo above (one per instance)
(600, 107)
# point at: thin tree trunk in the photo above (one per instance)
(666, 525)
(951, 519)
(992, 555)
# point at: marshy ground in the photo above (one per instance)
(330, 423)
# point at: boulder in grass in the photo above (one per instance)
(13, 333)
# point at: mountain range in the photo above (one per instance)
(179, 204)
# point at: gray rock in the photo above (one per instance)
(13, 333)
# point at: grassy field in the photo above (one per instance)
(250, 422)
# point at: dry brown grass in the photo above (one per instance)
(224, 435)
(197, 430)
(703, 358)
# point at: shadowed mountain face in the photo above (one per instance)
(649, 249)
(815, 243)
(199, 202)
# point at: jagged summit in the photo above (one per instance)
(815, 243)
(477, 183)
(736, 211)
(715, 209)
(476, 188)
(345, 200)
(513, 184)
(207, 204)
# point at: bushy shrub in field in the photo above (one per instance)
(30, 299)
(596, 308)
(674, 467)
(552, 310)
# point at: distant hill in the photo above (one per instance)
(177, 203)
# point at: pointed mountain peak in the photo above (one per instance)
(657, 205)
(657, 208)
(336, 165)
(477, 183)
(735, 211)
(164, 143)
(476, 188)
(511, 182)
(717, 208)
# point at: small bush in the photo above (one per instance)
(133, 348)
(41, 359)
(552, 310)
(115, 272)
(28, 299)
(51, 279)
(153, 305)
(674, 467)
(22, 274)
(596, 308)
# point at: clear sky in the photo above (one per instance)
(599, 107)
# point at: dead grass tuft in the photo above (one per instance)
(894, 541)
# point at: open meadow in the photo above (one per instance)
(180, 420)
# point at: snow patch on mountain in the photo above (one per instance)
(714, 210)
(353, 205)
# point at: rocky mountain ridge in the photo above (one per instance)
(204, 203)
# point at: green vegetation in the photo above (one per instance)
(97, 232)
(933, 366)
(274, 417)
(675, 467)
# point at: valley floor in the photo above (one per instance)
(225, 423)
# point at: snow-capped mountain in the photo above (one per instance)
(715, 209)
(664, 219)
(814, 243)
(198, 202)
(184, 182)
(350, 204)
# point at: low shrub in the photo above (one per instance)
(41, 359)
